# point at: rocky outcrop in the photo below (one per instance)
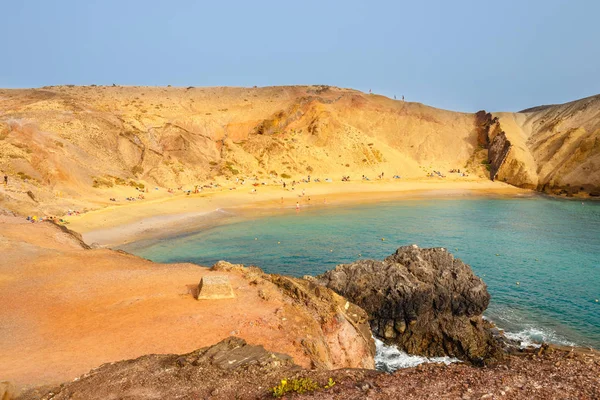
(484, 122)
(346, 336)
(425, 301)
(554, 149)
(230, 369)
(233, 369)
(334, 333)
(497, 153)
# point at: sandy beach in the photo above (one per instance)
(163, 216)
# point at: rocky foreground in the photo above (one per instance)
(233, 369)
(295, 335)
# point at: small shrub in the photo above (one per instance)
(101, 182)
(286, 176)
(231, 168)
(137, 170)
(330, 384)
(213, 163)
(301, 385)
(23, 176)
(485, 162)
(137, 184)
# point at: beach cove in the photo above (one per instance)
(539, 294)
(165, 216)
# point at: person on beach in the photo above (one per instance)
(297, 206)
(5, 180)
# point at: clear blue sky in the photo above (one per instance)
(460, 55)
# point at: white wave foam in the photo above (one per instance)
(389, 358)
(533, 337)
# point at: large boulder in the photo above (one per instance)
(424, 301)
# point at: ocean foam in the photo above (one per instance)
(389, 358)
(533, 337)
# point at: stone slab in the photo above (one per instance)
(215, 287)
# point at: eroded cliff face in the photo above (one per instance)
(424, 301)
(553, 149)
(334, 333)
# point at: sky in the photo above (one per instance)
(454, 54)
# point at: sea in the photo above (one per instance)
(539, 256)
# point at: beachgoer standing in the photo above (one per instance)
(5, 179)
(297, 206)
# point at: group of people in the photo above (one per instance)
(436, 173)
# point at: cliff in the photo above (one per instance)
(553, 149)
(70, 306)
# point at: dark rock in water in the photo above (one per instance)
(425, 301)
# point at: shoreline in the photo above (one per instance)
(117, 226)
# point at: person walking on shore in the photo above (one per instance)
(5, 180)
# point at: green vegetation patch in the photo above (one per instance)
(102, 183)
(299, 385)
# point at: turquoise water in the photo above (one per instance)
(550, 246)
